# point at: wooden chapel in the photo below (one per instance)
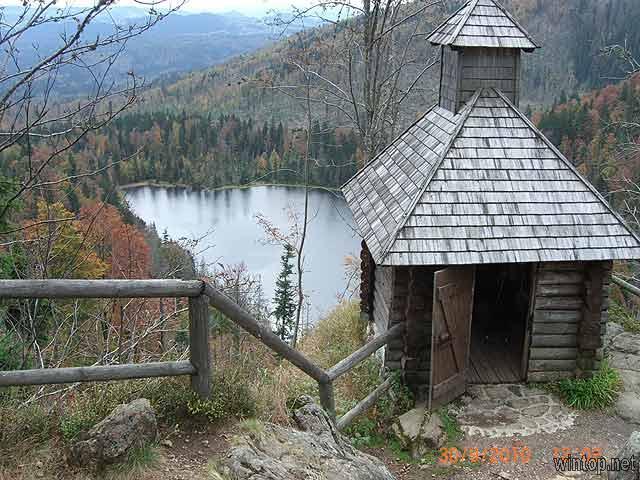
(479, 235)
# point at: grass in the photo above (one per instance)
(138, 461)
(252, 426)
(595, 393)
(621, 315)
(248, 382)
(451, 428)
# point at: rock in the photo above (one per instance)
(127, 426)
(628, 407)
(419, 431)
(631, 380)
(317, 450)
(624, 356)
(630, 450)
(613, 330)
(627, 342)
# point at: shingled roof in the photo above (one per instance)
(482, 186)
(482, 23)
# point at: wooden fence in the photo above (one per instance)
(626, 285)
(200, 294)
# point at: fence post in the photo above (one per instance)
(327, 399)
(199, 350)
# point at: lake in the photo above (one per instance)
(227, 221)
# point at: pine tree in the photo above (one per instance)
(284, 299)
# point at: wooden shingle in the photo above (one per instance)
(493, 189)
(482, 23)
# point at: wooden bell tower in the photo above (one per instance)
(481, 47)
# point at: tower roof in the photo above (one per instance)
(482, 23)
(482, 186)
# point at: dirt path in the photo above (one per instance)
(191, 453)
(593, 431)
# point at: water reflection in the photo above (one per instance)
(230, 215)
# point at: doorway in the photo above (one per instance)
(499, 323)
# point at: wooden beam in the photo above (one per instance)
(46, 376)
(558, 303)
(552, 316)
(365, 404)
(550, 341)
(552, 366)
(100, 288)
(558, 353)
(589, 332)
(240, 317)
(555, 328)
(625, 285)
(364, 352)
(199, 350)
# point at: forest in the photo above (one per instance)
(267, 117)
(599, 132)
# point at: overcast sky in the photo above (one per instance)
(248, 7)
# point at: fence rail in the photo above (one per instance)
(200, 294)
(625, 285)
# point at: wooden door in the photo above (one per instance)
(451, 333)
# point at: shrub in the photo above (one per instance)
(597, 392)
(171, 398)
(138, 461)
(168, 396)
(621, 315)
(335, 336)
(22, 428)
(451, 427)
(248, 380)
(10, 351)
(229, 399)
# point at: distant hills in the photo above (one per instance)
(180, 43)
(572, 34)
(205, 63)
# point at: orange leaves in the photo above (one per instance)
(130, 254)
(58, 247)
(97, 245)
(123, 246)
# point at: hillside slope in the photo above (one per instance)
(600, 133)
(179, 43)
(571, 33)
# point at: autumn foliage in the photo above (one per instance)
(599, 133)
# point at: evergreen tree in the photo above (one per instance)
(284, 298)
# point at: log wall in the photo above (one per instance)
(398, 290)
(566, 326)
(564, 342)
(595, 314)
(367, 280)
(418, 318)
(488, 67)
(449, 75)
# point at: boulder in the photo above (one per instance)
(316, 450)
(128, 426)
(628, 407)
(623, 350)
(612, 331)
(627, 343)
(630, 450)
(420, 432)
